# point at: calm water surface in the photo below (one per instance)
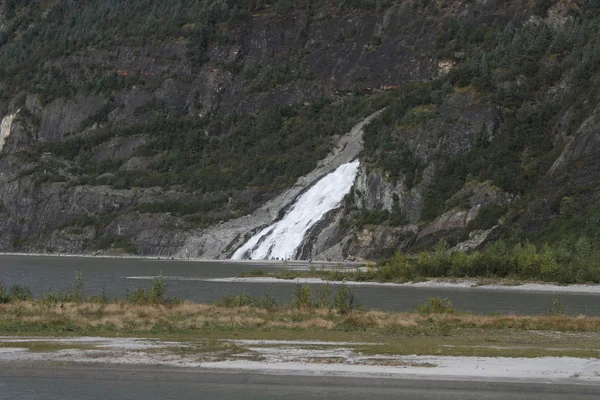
(151, 383)
(58, 273)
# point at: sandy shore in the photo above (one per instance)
(431, 284)
(448, 367)
(299, 357)
(302, 264)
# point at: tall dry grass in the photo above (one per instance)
(28, 316)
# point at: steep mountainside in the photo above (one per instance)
(145, 126)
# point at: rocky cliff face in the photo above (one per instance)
(87, 142)
(312, 54)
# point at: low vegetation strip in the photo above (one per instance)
(325, 315)
(434, 328)
(578, 264)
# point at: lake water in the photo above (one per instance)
(122, 383)
(58, 273)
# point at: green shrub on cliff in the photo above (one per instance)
(116, 242)
(567, 263)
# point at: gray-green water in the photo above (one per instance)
(118, 383)
(57, 273)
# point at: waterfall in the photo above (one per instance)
(283, 238)
(5, 127)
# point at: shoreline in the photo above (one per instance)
(430, 284)
(282, 263)
(300, 358)
(304, 265)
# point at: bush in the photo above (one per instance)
(557, 308)
(18, 242)
(139, 296)
(156, 296)
(323, 294)
(4, 296)
(98, 221)
(19, 293)
(77, 289)
(48, 300)
(399, 267)
(496, 260)
(268, 302)
(570, 261)
(345, 300)
(158, 293)
(487, 217)
(116, 242)
(102, 299)
(438, 263)
(183, 208)
(302, 297)
(368, 217)
(548, 263)
(241, 300)
(436, 305)
(466, 264)
(526, 260)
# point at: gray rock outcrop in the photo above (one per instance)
(222, 240)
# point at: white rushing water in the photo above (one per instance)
(283, 238)
(5, 127)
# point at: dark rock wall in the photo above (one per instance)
(333, 54)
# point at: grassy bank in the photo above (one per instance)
(433, 328)
(428, 331)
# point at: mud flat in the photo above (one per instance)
(431, 284)
(291, 357)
